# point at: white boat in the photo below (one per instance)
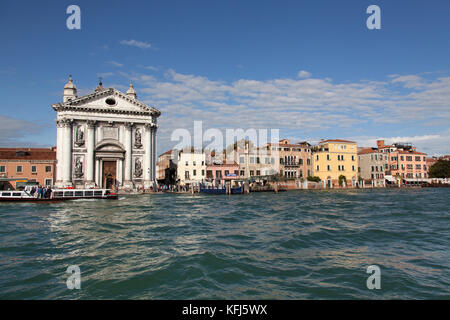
(27, 195)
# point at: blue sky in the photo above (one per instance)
(310, 68)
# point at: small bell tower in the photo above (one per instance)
(70, 91)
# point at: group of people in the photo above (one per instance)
(41, 192)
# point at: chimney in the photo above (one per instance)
(380, 144)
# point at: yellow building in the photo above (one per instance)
(335, 158)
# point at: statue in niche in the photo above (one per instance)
(79, 141)
(137, 168)
(137, 139)
(78, 168)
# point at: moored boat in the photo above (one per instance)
(57, 195)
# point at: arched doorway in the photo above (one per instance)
(109, 156)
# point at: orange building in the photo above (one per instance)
(21, 165)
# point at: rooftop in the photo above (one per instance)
(28, 153)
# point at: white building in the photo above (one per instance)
(105, 139)
(191, 167)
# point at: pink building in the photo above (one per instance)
(219, 173)
(404, 160)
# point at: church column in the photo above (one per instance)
(59, 152)
(128, 150)
(148, 156)
(120, 172)
(90, 144)
(153, 174)
(97, 172)
(67, 156)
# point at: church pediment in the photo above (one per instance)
(109, 145)
(107, 101)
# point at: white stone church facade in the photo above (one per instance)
(105, 139)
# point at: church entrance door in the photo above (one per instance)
(109, 174)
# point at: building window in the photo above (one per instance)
(252, 173)
(19, 169)
(33, 169)
(317, 168)
(203, 172)
(408, 158)
(48, 182)
(258, 173)
(241, 160)
(194, 172)
(48, 168)
(353, 168)
(187, 163)
(328, 168)
(186, 174)
(242, 173)
(236, 172)
(194, 164)
(353, 158)
(2, 169)
(227, 172)
(317, 157)
(328, 157)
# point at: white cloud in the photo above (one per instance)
(135, 43)
(151, 68)
(309, 105)
(432, 144)
(14, 131)
(304, 74)
(115, 63)
(105, 74)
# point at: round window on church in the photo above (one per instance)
(110, 101)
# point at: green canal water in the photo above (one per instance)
(291, 245)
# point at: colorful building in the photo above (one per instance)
(21, 165)
(404, 161)
(191, 167)
(253, 161)
(219, 173)
(372, 165)
(294, 159)
(333, 159)
(166, 168)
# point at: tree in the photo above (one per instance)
(441, 169)
(342, 178)
(314, 179)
